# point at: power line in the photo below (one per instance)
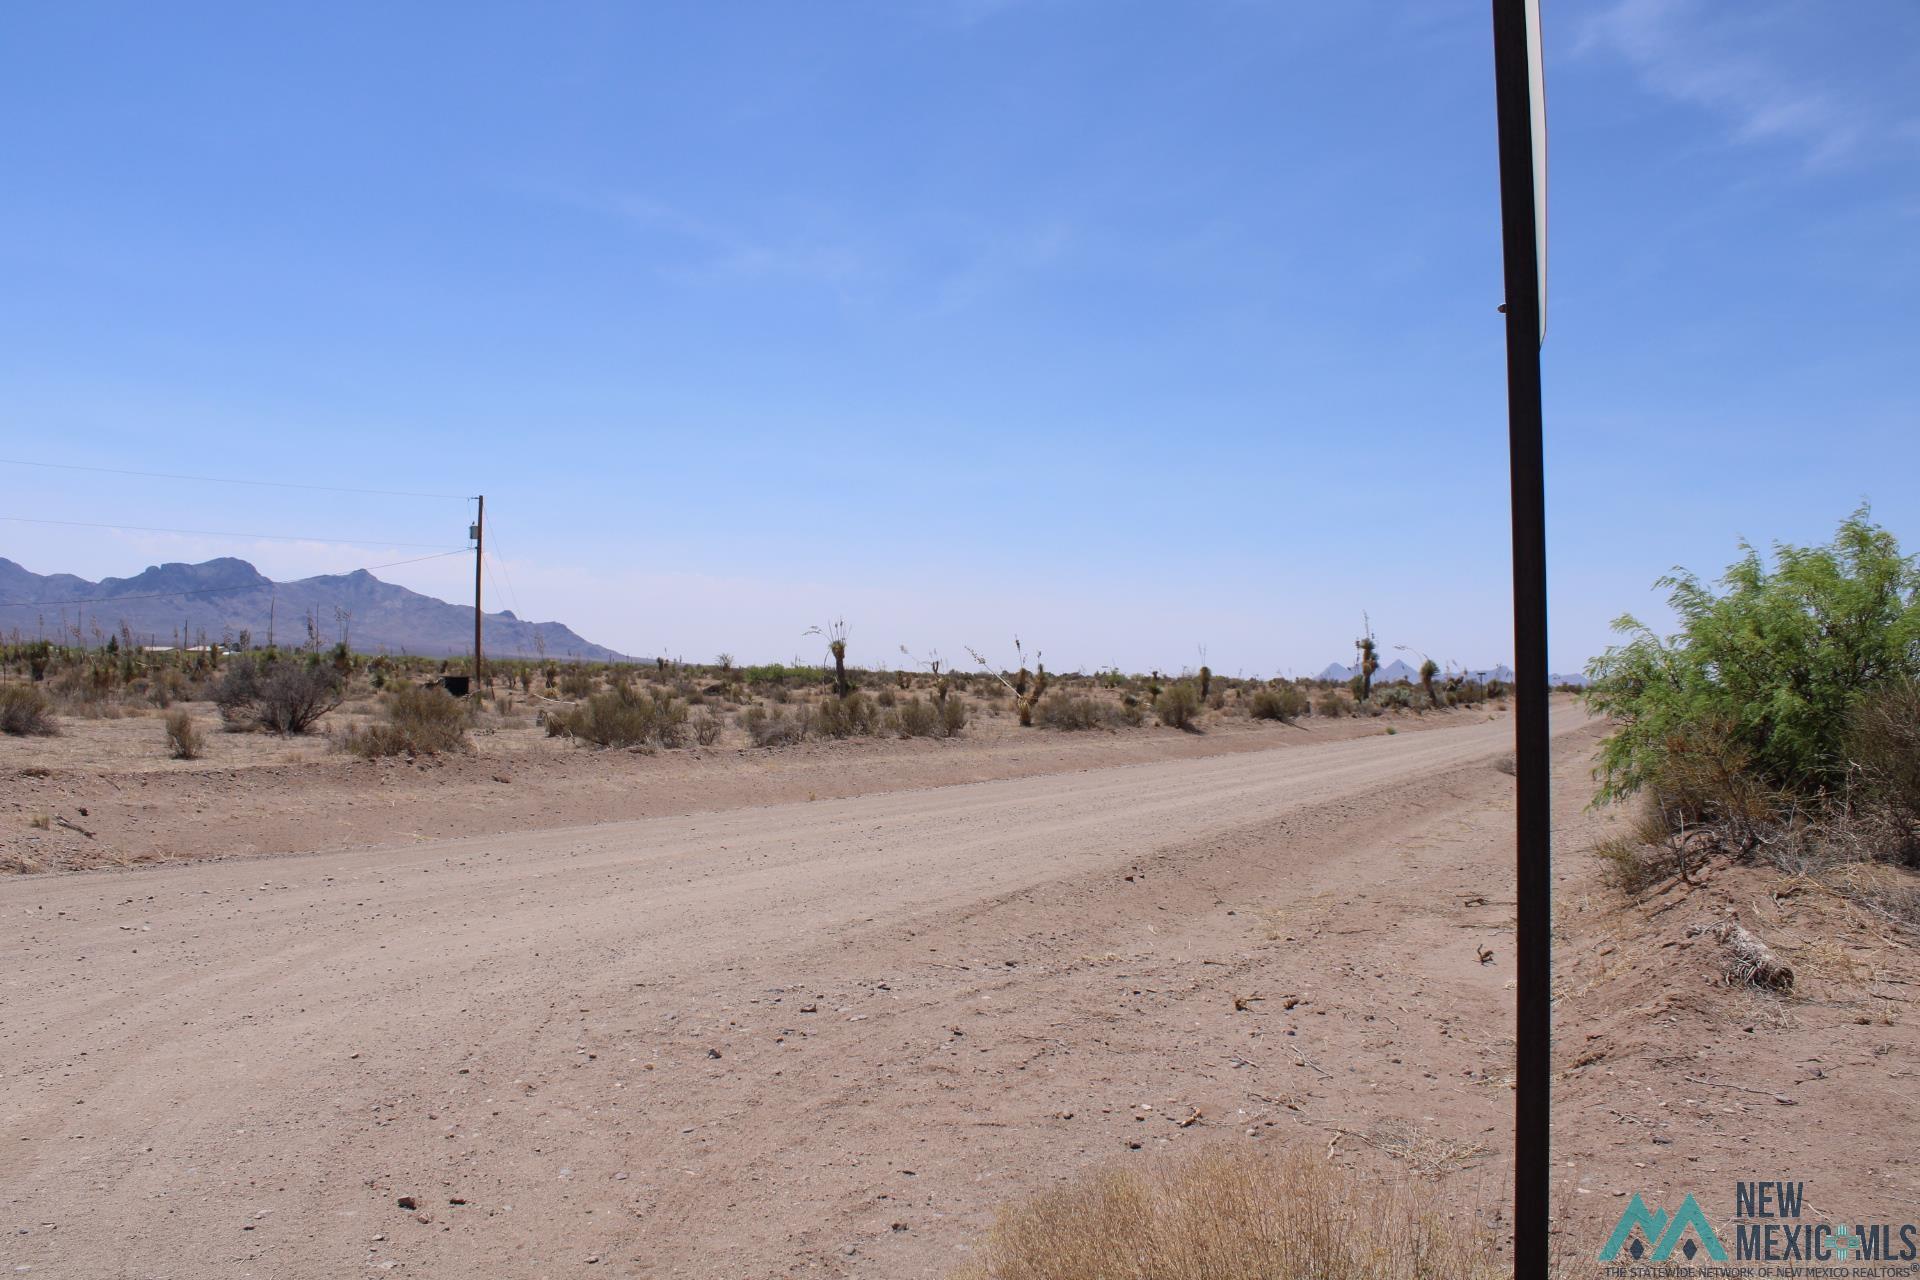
(214, 591)
(218, 533)
(495, 559)
(267, 484)
(488, 562)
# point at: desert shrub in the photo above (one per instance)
(1238, 1215)
(1883, 744)
(917, 718)
(1778, 661)
(1332, 702)
(1393, 697)
(420, 721)
(1071, 711)
(1631, 866)
(1131, 713)
(953, 716)
(285, 695)
(706, 729)
(165, 687)
(575, 683)
(775, 728)
(1782, 723)
(26, 712)
(623, 716)
(184, 740)
(851, 716)
(1178, 705)
(670, 724)
(1280, 702)
(779, 674)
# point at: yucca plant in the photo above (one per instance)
(1369, 662)
(836, 636)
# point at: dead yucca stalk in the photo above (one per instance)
(1027, 692)
(935, 666)
(1750, 962)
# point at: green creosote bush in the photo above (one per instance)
(776, 728)
(1777, 662)
(1332, 703)
(284, 695)
(623, 716)
(1178, 706)
(848, 717)
(1284, 702)
(917, 718)
(1071, 712)
(421, 720)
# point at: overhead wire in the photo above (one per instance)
(218, 533)
(268, 484)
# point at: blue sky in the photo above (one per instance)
(1129, 328)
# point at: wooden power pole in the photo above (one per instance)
(479, 545)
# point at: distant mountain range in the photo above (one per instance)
(180, 604)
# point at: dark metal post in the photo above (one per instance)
(1512, 51)
(479, 535)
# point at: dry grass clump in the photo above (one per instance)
(421, 721)
(26, 712)
(1237, 1216)
(184, 739)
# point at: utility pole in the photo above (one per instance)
(479, 533)
(1521, 110)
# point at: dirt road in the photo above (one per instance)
(809, 1038)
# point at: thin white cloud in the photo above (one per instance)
(722, 252)
(1692, 53)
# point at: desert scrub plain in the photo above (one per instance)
(113, 756)
(1142, 1001)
